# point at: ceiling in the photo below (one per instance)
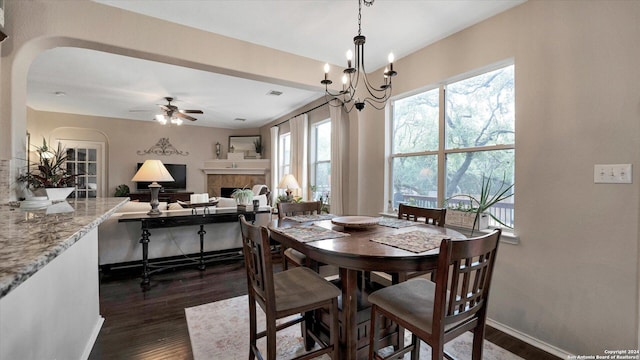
(89, 82)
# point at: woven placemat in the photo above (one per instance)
(396, 223)
(313, 217)
(307, 233)
(415, 241)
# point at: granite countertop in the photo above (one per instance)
(29, 240)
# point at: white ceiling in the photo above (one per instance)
(109, 85)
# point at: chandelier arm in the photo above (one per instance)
(367, 100)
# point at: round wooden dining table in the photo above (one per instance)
(354, 254)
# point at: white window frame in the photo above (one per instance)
(442, 151)
(100, 162)
(314, 153)
(282, 162)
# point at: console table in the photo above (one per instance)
(168, 196)
(199, 217)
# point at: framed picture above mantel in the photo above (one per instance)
(250, 145)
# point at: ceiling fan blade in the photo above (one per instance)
(165, 108)
(181, 115)
(191, 111)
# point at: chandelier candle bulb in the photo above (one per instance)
(349, 58)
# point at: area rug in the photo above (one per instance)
(220, 330)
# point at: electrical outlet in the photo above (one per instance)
(612, 174)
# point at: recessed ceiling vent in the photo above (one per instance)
(240, 119)
(274, 93)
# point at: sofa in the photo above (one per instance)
(119, 242)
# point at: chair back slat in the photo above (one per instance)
(430, 215)
(463, 290)
(257, 257)
(301, 208)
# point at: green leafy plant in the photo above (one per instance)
(258, 146)
(487, 198)
(287, 199)
(243, 196)
(50, 170)
(122, 190)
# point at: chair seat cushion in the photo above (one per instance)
(411, 301)
(300, 287)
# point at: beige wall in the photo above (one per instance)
(572, 282)
(124, 138)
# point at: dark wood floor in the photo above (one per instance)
(152, 324)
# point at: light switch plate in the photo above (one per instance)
(612, 174)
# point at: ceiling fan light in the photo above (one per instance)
(176, 121)
(161, 119)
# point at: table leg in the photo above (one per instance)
(144, 240)
(201, 233)
(349, 311)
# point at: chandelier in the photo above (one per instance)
(377, 97)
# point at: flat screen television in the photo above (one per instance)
(177, 171)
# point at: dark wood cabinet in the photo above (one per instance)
(169, 197)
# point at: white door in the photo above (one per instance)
(86, 160)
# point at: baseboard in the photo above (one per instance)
(529, 340)
(93, 338)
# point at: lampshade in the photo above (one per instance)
(288, 182)
(152, 170)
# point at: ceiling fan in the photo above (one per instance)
(175, 115)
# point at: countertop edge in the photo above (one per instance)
(55, 251)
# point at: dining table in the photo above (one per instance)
(358, 245)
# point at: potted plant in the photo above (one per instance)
(50, 172)
(122, 190)
(478, 207)
(243, 196)
(258, 146)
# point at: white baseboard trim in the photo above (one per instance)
(529, 340)
(93, 338)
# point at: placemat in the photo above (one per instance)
(307, 233)
(415, 241)
(312, 217)
(396, 223)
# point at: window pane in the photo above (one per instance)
(480, 110)
(93, 155)
(465, 172)
(415, 123)
(415, 180)
(323, 177)
(323, 142)
(82, 154)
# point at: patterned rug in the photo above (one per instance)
(220, 330)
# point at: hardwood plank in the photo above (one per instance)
(152, 324)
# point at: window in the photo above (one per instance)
(284, 156)
(321, 160)
(84, 159)
(441, 151)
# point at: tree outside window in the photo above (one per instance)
(477, 128)
(321, 176)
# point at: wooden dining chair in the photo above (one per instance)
(437, 312)
(298, 290)
(432, 216)
(291, 257)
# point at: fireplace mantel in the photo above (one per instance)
(242, 167)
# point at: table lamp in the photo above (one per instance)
(288, 182)
(154, 171)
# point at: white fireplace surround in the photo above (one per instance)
(242, 167)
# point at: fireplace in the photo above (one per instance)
(224, 176)
(227, 191)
